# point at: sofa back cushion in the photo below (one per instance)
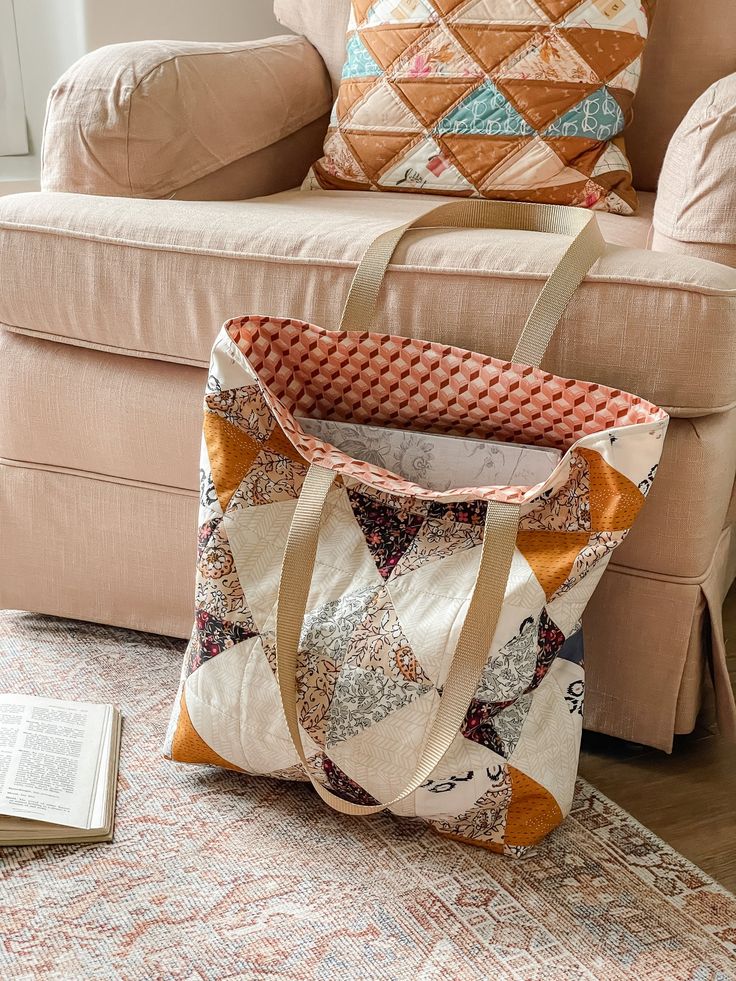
(691, 46)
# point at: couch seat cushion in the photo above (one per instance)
(156, 279)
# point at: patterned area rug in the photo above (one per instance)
(213, 875)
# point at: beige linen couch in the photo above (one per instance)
(166, 209)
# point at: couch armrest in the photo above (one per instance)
(146, 119)
(695, 211)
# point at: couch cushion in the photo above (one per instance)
(696, 205)
(683, 34)
(146, 118)
(526, 104)
(157, 279)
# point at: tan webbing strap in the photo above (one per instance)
(471, 653)
(587, 246)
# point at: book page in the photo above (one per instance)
(50, 754)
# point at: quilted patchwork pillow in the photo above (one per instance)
(523, 100)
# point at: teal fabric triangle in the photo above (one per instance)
(484, 112)
(359, 61)
(597, 117)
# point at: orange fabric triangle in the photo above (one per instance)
(187, 746)
(557, 9)
(540, 101)
(625, 100)
(577, 152)
(477, 156)
(375, 150)
(352, 91)
(563, 194)
(390, 41)
(533, 811)
(615, 500)
(431, 98)
(231, 454)
(607, 52)
(361, 8)
(446, 6)
(551, 554)
(490, 45)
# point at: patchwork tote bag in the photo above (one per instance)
(402, 641)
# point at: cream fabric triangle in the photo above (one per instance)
(382, 109)
(441, 55)
(627, 78)
(611, 159)
(612, 15)
(500, 12)
(425, 167)
(554, 60)
(397, 11)
(536, 165)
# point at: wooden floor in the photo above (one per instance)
(688, 798)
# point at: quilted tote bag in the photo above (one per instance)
(406, 647)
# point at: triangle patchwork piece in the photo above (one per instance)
(400, 11)
(610, 15)
(584, 155)
(533, 811)
(360, 9)
(440, 54)
(376, 151)
(541, 102)
(231, 454)
(382, 109)
(535, 165)
(388, 43)
(598, 116)
(430, 98)
(627, 78)
(352, 90)
(446, 6)
(551, 554)
(618, 510)
(612, 159)
(491, 45)
(426, 168)
(549, 58)
(607, 52)
(478, 156)
(500, 12)
(557, 8)
(388, 531)
(359, 63)
(484, 112)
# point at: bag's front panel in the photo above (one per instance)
(391, 586)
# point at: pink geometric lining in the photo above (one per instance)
(402, 382)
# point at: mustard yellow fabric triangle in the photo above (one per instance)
(187, 746)
(615, 500)
(533, 811)
(231, 453)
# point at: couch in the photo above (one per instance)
(170, 202)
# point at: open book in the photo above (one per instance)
(58, 770)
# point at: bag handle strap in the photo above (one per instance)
(586, 248)
(471, 653)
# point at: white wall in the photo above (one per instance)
(50, 38)
(107, 21)
(53, 34)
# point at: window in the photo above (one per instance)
(13, 134)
